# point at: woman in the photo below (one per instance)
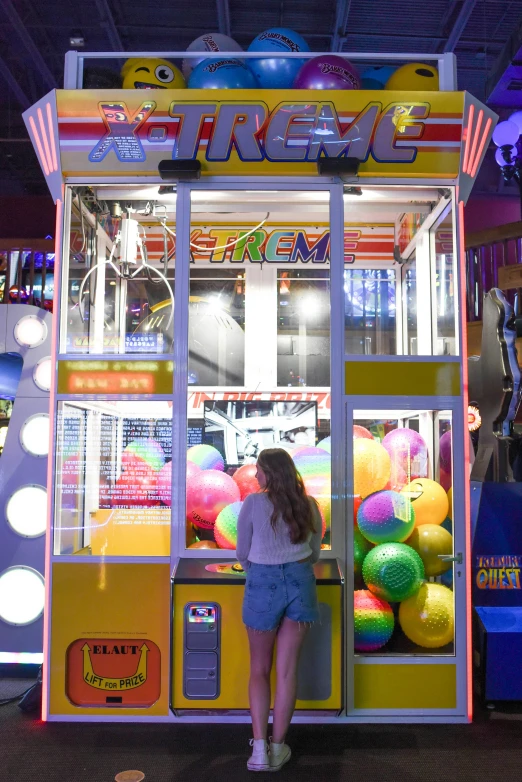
(278, 540)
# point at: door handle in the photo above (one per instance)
(448, 558)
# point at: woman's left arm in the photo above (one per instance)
(244, 533)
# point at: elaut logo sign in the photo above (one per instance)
(113, 672)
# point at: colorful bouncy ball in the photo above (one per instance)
(165, 480)
(361, 547)
(327, 72)
(450, 503)
(325, 444)
(414, 76)
(208, 493)
(375, 78)
(371, 467)
(143, 449)
(208, 44)
(386, 517)
(393, 571)
(373, 621)
(246, 480)
(203, 544)
(445, 451)
(277, 73)
(319, 487)
(310, 462)
(206, 457)
(429, 500)
(222, 74)
(145, 74)
(409, 456)
(427, 618)
(361, 431)
(225, 528)
(430, 541)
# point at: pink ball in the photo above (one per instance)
(327, 72)
(246, 480)
(165, 481)
(361, 432)
(208, 493)
(136, 488)
(445, 451)
(409, 456)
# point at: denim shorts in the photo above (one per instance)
(275, 591)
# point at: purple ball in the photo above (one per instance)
(408, 451)
(327, 72)
(445, 451)
(386, 517)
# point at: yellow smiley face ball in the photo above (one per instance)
(429, 500)
(151, 75)
(414, 76)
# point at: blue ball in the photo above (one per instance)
(225, 74)
(375, 78)
(277, 73)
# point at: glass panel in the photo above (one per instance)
(259, 351)
(113, 469)
(120, 278)
(370, 312)
(410, 308)
(303, 328)
(403, 601)
(445, 288)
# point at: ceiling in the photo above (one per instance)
(34, 37)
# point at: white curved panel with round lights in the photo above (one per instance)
(22, 595)
(34, 435)
(30, 331)
(26, 511)
(42, 374)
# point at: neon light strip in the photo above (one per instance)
(45, 140)
(50, 461)
(467, 131)
(475, 140)
(39, 147)
(22, 658)
(466, 488)
(51, 135)
(481, 147)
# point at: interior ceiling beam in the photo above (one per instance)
(460, 24)
(342, 12)
(29, 45)
(13, 84)
(223, 14)
(108, 23)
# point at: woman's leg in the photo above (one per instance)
(289, 642)
(261, 653)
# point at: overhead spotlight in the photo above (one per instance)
(179, 170)
(346, 168)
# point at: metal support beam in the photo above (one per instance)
(30, 46)
(460, 24)
(342, 12)
(223, 14)
(109, 25)
(13, 85)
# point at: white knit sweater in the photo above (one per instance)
(258, 542)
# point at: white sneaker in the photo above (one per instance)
(258, 760)
(279, 755)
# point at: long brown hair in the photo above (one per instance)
(286, 491)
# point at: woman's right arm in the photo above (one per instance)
(244, 533)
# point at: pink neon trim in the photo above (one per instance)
(467, 131)
(467, 510)
(481, 147)
(475, 139)
(43, 161)
(50, 464)
(51, 135)
(45, 139)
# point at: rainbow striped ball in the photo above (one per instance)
(225, 528)
(145, 449)
(385, 517)
(373, 621)
(311, 462)
(206, 457)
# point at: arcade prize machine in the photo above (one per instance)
(263, 268)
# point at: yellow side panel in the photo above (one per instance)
(235, 663)
(405, 686)
(132, 532)
(109, 602)
(402, 378)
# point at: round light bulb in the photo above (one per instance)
(22, 595)
(42, 374)
(34, 435)
(505, 133)
(516, 118)
(499, 156)
(26, 511)
(30, 331)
